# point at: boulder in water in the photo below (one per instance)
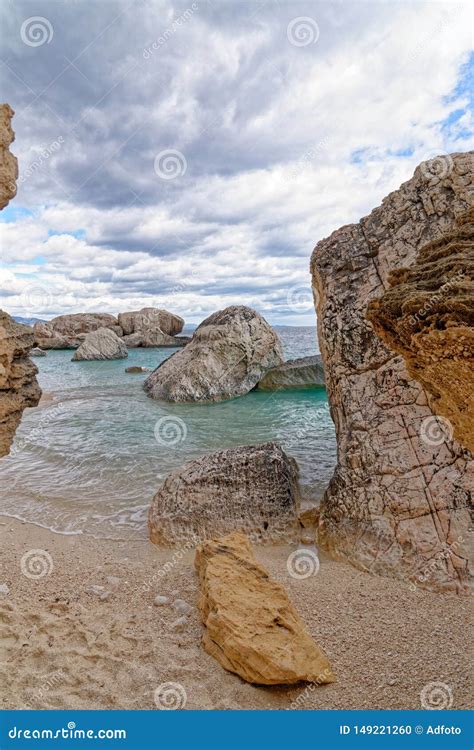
(149, 319)
(305, 372)
(226, 357)
(68, 331)
(99, 345)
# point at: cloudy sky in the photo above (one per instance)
(190, 154)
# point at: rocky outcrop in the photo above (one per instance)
(150, 319)
(101, 344)
(8, 162)
(305, 372)
(18, 386)
(35, 352)
(398, 503)
(428, 316)
(153, 337)
(68, 331)
(226, 357)
(252, 488)
(251, 627)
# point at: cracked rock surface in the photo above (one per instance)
(428, 316)
(400, 499)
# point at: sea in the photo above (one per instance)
(90, 460)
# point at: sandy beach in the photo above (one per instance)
(67, 643)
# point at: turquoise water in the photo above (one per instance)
(91, 460)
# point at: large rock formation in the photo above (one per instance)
(251, 627)
(226, 357)
(428, 316)
(99, 345)
(305, 372)
(8, 162)
(18, 386)
(68, 331)
(398, 503)
(149, 320)
(251, 488)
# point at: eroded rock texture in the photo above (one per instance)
(305, 372)
(228, 354)
(69, 331)
(8, 162)
(18, 386)
(150, 321)
(252, 629)
(399, 501)
(252, 488)
(428, 316)
(99, 345)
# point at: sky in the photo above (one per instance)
(189, 155)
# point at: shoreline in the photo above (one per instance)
(68, 643)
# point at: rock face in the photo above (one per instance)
(68, 331)
(251, 627)
(18, 386)
(148, 320)
(226, 357)
(428, 316)
(8, 162)
(305, 372)
(252, 488)
(101, 344)
(398, 503)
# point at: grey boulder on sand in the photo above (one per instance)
(252, 488)
(101, 344)
(305, 372)
(226, 357)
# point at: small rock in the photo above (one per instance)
(159, 601)
(113, 580)
(95, 589)
(105, 596)
(179, 625)
(136, 368)
(307, 537)
(4, 588)
(181, 607)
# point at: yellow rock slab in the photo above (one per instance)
(252, 629)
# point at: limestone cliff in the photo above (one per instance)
(398, 503)
(18, 386)
(8, 162)
(428, 317)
